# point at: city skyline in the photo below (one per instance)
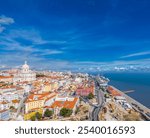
(75, 35)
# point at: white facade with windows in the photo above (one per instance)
(4, 115)
(25, 74)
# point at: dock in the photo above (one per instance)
(129, 91)
(135, 104)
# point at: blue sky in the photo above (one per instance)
(75, 34)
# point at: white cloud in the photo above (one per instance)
(112, 64)
(34, 36)
(6, 20)
(16, 52)
(10, 44)
(28, 34)
(50, 52)
(39, 62)
(136, 54)
(16, 59)
(2, 66)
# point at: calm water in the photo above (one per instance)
(140, 82)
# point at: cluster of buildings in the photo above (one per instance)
(118, 98)
(10, 96)
(24, 92)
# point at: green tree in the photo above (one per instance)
(90, 96)
(33, 118)
(77, 110)
(40, 75)
(48, 113)
(65, 112)
(11, 107)
(38, 115)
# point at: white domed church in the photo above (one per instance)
(25, 74)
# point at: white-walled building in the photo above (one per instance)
(4, 115)
(25, 74)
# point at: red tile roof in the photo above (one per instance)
(84, 90)
(3, 102)
(1, 111)
(15, 101)
(5, 77)
(112, 91)
(43, 96)
(65, 104)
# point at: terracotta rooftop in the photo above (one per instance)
(3, 102)
(43, 96)
(15, 101)
(113, 91)
(65, 104)
(1, 111)
(5, 77)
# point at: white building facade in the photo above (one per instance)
(25, 74)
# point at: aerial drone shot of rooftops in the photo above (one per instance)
(79, 60)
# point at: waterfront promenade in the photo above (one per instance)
(135, 104)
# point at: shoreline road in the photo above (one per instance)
(100, 100)
(135, 104)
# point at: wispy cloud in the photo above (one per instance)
(2, 28)
(136, 54)
(14, 52)
(9, 44)
(16, 59)
(5, 21)
(114, 63)
(142, 64)
(34, 36)
(27, 34)
(50, 52)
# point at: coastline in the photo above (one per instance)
(139, 82)
(132, 101)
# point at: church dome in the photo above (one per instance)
(25, 66)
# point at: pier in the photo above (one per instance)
(135, 104)
(129, 91)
